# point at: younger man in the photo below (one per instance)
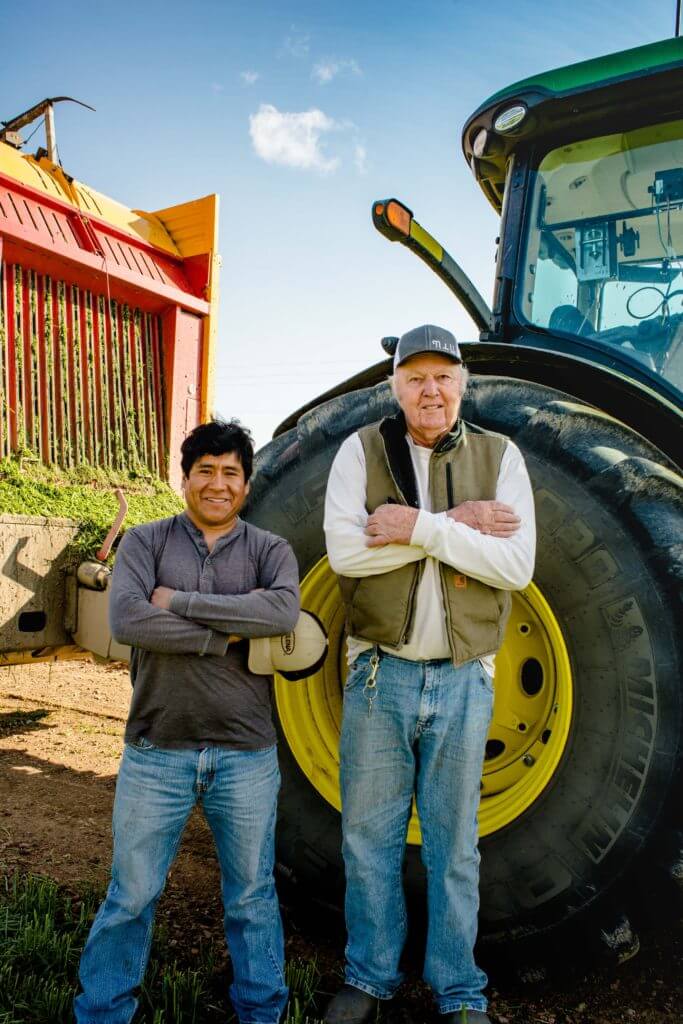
(199, 728)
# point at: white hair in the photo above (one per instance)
(463, 377)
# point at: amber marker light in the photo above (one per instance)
(392, 219)
(399, 217)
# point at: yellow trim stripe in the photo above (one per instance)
(423, 238)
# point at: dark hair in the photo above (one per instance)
(216, 438)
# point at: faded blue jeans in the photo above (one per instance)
(155, 793)
(424, 735)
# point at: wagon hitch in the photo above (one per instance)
(92, 603)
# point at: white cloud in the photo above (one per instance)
(326, 70)
(297, 43)
(249, 77)
(360, 158)
(292, 139)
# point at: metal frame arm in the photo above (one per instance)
(396, 222)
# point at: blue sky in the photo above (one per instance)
(300, 115)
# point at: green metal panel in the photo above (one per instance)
(588, 74)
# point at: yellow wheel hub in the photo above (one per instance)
(531, 716)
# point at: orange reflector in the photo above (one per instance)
(379, 209)
(398, 217)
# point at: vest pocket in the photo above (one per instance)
(378, 609)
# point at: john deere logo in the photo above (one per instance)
(287, 642)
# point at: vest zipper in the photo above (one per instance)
(447, 610)
(450, 500)
(408, 622)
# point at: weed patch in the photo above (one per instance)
(42, 932)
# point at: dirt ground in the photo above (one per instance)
(60, 741)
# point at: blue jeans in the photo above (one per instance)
(155, 793)
(424, 735)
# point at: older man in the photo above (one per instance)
(429, 524)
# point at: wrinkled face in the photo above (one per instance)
(215, 491)
(428, 389)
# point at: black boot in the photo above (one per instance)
(351, 1006)
(466, 1016)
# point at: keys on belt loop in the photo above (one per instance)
(370, 688)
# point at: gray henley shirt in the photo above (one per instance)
(191, 689)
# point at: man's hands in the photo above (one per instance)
(161, 597)
(394, 524)
(391, 524)
(489, 517)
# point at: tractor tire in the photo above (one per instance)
(581, 810)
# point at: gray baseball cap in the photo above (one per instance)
(427, 338)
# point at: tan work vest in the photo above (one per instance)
(464, 466)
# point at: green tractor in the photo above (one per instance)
(580, 361)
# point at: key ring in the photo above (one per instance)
(371, 681)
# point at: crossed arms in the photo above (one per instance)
(197, 623)
(396, 535)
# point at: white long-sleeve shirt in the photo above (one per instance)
(506, 563)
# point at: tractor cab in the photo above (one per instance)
(599, 261)
(586, 164)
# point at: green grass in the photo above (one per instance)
(41, 935)
(42, 932)
(84, 494)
